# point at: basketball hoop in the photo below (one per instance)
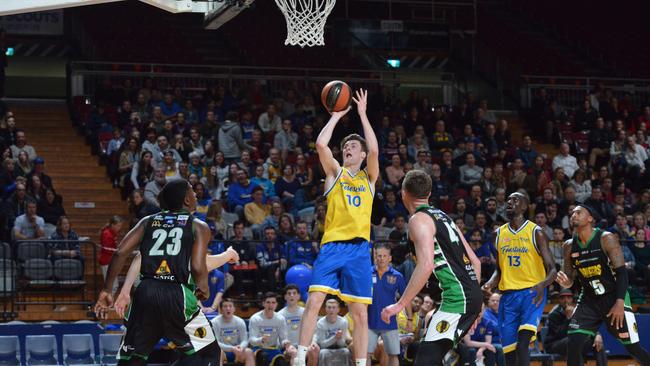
(305, 21)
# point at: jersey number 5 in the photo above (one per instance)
(598, 287)
(161, 235)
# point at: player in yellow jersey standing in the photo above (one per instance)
(343, 266)
(525, 268)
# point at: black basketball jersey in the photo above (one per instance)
(592, 265)
(166, 247)
(452, 268)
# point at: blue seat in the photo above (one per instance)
(9, 351)
(78, 349)
(41, 350)
(109, 344)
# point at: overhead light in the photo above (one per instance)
(393, 62)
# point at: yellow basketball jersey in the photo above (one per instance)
(519, 259)
(349, 206)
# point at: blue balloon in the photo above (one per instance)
(299, 275)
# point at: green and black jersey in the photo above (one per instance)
(592, 265)
(166, 247)
(457, 280)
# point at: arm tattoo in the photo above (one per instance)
(613, 249)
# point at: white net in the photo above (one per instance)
(305, 21)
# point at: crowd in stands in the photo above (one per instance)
(250, 154)
(30, 208)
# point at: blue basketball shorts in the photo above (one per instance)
(344, 269)
(517, 312)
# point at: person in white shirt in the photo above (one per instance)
(292, 314)
(268, 333)
(565, 161)
(232, 335)
(269, 120)
(332, 336)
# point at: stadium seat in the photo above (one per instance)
(109, 344)
(69, 272)
(30, 250)
(9, 350)
(229, 218)
(38, 272)
(78, 349)
(41, 350)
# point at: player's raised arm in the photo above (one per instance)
(197, 264)
(614, 252)
(330, 165)
(549, 264)
(372, 160)
(422, 231)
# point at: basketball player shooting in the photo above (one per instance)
(343, 266)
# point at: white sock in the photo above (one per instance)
(360, 362)
(300, 355)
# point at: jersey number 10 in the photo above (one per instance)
(161, 235)
(353, 200)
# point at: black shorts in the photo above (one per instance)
(164, 310)
(592, 311)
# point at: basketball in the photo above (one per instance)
(336, 96)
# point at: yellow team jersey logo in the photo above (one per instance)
(349, 206)
(519, 259)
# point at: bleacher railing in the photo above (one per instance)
(52, 272)
(570, 91)
(85, 76)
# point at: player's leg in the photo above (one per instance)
(359, 313)
(431, 353)
(187, 327)
(530, 315)
(143, 328)
(509, 320)
(356, 290)
(629, 335)
(585, 322)
(373, 341)
(325, 279)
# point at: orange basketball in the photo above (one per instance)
(336, 96)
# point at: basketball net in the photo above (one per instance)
(305, 21)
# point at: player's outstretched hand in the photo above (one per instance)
(233, 256)
(342, 113)
(563, 280)
(122, 303)
(104, 303)
(617, 313)
(539, 293)
(361, 99)
(390, 311)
